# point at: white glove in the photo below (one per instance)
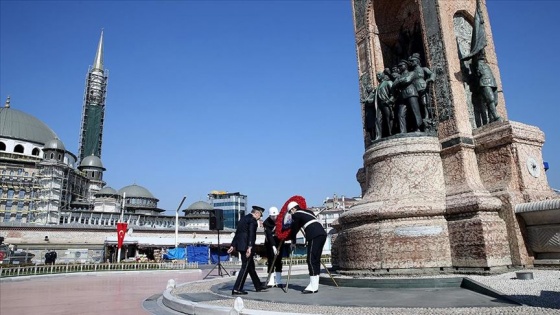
(275, 250)
(292, 247)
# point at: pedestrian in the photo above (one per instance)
(273, 249)
(244, 243)
(315, 238)
(48, 257)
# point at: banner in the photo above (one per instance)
(121, 231)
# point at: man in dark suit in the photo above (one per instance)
(244, 243)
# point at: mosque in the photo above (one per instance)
(51, 198)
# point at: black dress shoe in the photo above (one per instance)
(261, 289)
(238, 292)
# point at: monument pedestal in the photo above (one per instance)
(400, 224)
(478, 240)
(476, 231)
(509, 156)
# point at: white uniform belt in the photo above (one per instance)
(309, 222)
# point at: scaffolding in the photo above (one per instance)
(93, 113)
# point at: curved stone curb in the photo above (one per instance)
(189, 307)
(200, 308)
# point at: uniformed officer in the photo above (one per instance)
(244, 243)
(315, 237)
(273, 250)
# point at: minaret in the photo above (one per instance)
(91, 133)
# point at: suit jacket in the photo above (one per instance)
(246, 233)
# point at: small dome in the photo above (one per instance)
(54, 144)
(135, 191)
(92, 161)
(107, 191)
(200, 205)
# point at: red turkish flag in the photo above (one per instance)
(121, 231)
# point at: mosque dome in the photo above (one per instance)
(135, 191)
(54, 144)
(200, 205)
(107, 191)
(16, 124)
(92, 161)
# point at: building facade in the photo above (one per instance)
(234, 206)
(43, 183)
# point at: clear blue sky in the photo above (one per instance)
(259, 97)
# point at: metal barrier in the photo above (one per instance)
(303, 260)
(41, 269)
(96, 267)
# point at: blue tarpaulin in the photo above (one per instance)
(175, 253)
(224, 256)
(197, 253)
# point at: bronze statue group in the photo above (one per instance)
(280, 227)
(401, 102)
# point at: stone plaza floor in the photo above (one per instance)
(141, 292)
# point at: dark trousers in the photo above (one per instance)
(412, 104)
(247, 267)
(384, 121)
(270, 258)
(314, 250)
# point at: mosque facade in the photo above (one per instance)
(43, 183)
(51, 198)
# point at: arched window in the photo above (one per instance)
(2, 146)
(35, 152)
(52, 156)
(18, 148)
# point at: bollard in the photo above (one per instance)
(524, 275)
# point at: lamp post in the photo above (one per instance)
(177, 222)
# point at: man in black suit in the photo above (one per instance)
(244, 243)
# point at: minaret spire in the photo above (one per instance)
(91, 133)
(98, 62)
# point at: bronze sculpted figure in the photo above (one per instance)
(424, 77)
(385, 102)
(370, 113)
(481, 74)
(487, 89)
(394, 73)
(407, 98)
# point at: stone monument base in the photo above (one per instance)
(401, 223)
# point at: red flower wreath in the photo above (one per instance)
(283, 231)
